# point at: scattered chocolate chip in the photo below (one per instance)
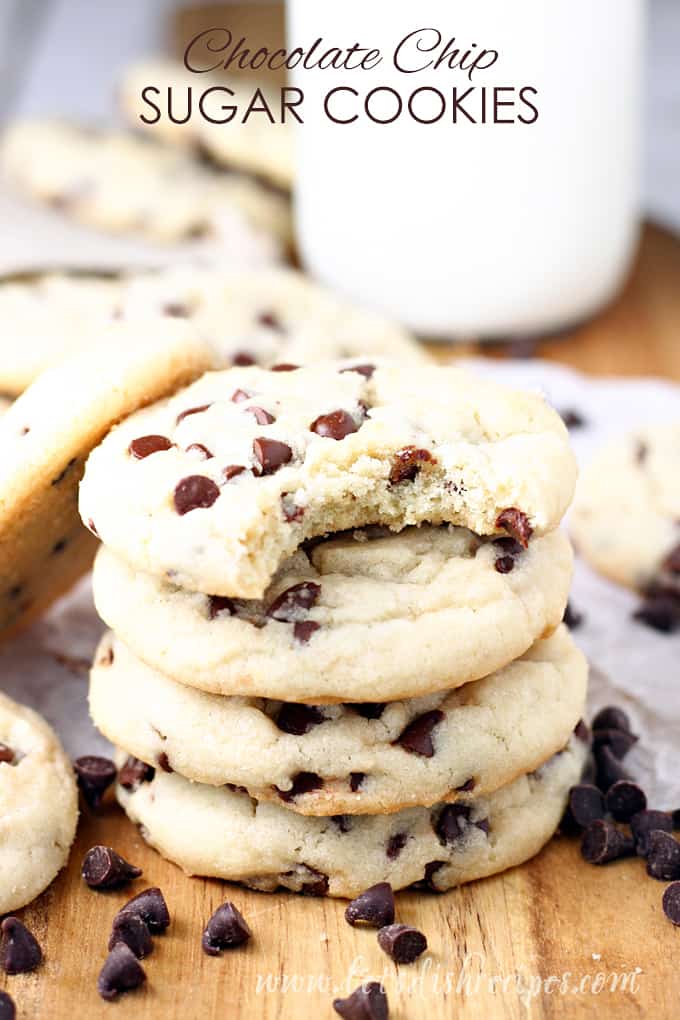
(164, 762)
(504, 564)
(660, 611)
(191, 410)
(7, 754)
(603, 842)
(367, 1002)
(135, 772)
(238, 396)
(417, 737)
(286, 606)
(144, 446)
(303, 630)
(365, 370)
(261, 416)
(19, 949)
(298, 719)
(663, 856)
(572, 419)
(220, 604)
(402, 943)
(671, 903)
(625, 799)
(516, 523)
(356, 780)
(134, 932)
(609, 769)
(150, 905)
(195, 492)
(103, 868)
(7, 1007)
(175, 310)
(303, 782)
(231, 471)
(94, 776)
(121, 972)
(242, 359)
(335, 425)
(644, 823)
(203, 451)
(270, 455)
(369, 709)
(374, 907)
(572, 617)
(618, 741)
(226, 929)
(611, 718)
(586, 804)
(408, 462)
(284, 366)
(271, 321)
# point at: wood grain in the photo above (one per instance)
(499, 948)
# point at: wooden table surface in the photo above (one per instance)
(554, 938)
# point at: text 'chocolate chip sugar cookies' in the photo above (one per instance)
(335, 595)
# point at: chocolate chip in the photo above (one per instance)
(417, 737)
(303, 630)
(7, 754)
(335, 425)
(369, 709)
(407, 463)
(395, 844)
(59, 546)
(238, 396)
(144, 446)
(625, 799)
(402, 943)
(504, 564)
(135, 772)
(150, 905)
(660, 611)
(134, 932)
(94, 776)
(103, 868)
(261, 416)
(586, 804)
(271, 321)
(516, 523)
(582, 732)
(454, 820)
(19, 949)
(164, 762)
(121, 972)
(466, 787)
(611, 718)
(298, 719)
(303, 782)
(427, 881)
(317, 886)
(663, 856)
(203, 451)
(242, 359)
(7, 1007)
(271, 455)
(231, 471)
(374, 907)
(572, 419)
(671, 903)
(356, 780)
(191, 410)
(287, 606)
(175, 310)
(284, 366)
(367, 1002)
(220, 604)
(618, 741)
(572, 618)
(195, 492)
(603, 842)
(609, 769)
(509, 545)
(365, 370)
(226, 929)
(645, 822)
(343, 822)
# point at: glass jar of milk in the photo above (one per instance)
(469, 166)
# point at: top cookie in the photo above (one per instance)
(215, 487)
(626, 516)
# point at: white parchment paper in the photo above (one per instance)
(631, 665)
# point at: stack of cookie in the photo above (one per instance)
(335, 594)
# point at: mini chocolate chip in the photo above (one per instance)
(466, 787)
(220, 604)
(135, 772)
(144, 446)
(150, 905)
(195, 492)
(374, 907)
(164, 762)
(317, 886)
(603, 842)
(231, 471)
(572, 419)
(572, 618)
(271, 321)
(395, 844)
(417, 737)
(343, 822)
(175, 310)
(303, 630)
(452, 822)
(298, 719)
(94, 776)
(303, 782)
(356, 780)
(516, 523)
(369, 709)
(402, 943)
(103, 868)
(504, 564)
(582, 732)
(625, 799)
(671, 903)
(586, 804)
(609, 768)
(663, 856)
(270, 455)
(334, 425)
(121, 972)
(618, 741)
(200, 449)
(226, 929)
(242, 358)
(365, 370)
(660, 611)
(19, 949)
(645, 822)
(238, 396)
(261, 416)
(407, 463)
(284, 366)
(367, 1002)
(7, 754)
(286, 606)
(611, 718)
(191, 410)
(131, 929)
(7, 1007)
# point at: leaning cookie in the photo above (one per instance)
(357, 758)
(626, 514)
(217, 487)
(38, 805)
(45, 438)
(227, 834)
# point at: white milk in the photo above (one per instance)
(474, 229)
